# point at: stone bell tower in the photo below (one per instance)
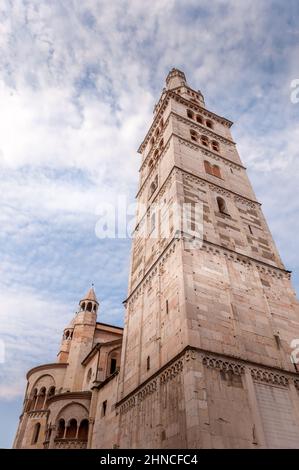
(78, 340)
(208, 329)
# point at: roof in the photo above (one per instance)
(91, 295)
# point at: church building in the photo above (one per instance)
(205, 356)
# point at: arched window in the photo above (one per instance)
(209, 124)
(67, 334)
(190, 114)
(51, 391)
(83, 430)
(221, 205)
(60, 429)
(94, 308)
(208, 167)
(113, 363)
(153, 186)
(216, 171)
(152, 141)
(157, 132)
(71, 430)
(36, 432)
(148, 363)
(204, 140)
(193, 134)
(83, 306)
(89, 307)
(33, 400)
(161, 143)
(199, 119)
(41, 399)
(215, 146)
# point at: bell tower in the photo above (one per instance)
(78, 340)
(209, 325)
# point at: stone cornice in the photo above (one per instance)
(196, 146)
(241, 258)
(196, 107)
(218, 188)
(86, 395)
(262, 266)
(203, 129)
(55, 365)
(211, 360)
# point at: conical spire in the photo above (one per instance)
(89, 302)
(91, 295)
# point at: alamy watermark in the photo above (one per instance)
(156, 221)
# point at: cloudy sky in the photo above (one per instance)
(78, 82)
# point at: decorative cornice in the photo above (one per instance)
(203, 129)
(196, 107)
(245, 260)
(213, 362)
(163, 376)
(210, 360)
(269, 377)
(218, 188)
(55, 365)
(86, 395)
(37, 413)
(209, 153)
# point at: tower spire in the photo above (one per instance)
(89, 301)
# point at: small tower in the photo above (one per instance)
(78, 340)
(176, 81)
(89, 303)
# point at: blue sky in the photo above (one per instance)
(78, 82)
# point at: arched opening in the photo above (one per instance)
(83, 430)
(193, 135)
(67, 334)
(161, 143)
(216, 171)
(94, 308)
(41, 399)
(33, 400)
(204, 140)
(112, 365)
(36, 432)
(152, 141)
(209, 124)
(153, 187)
(60, 429)
(83, 306)
(221, 205)
(71, 430)
(190, 114)
(215, 146)
(199, 119)
(208, 167)
(89, 307)
(51, 392)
